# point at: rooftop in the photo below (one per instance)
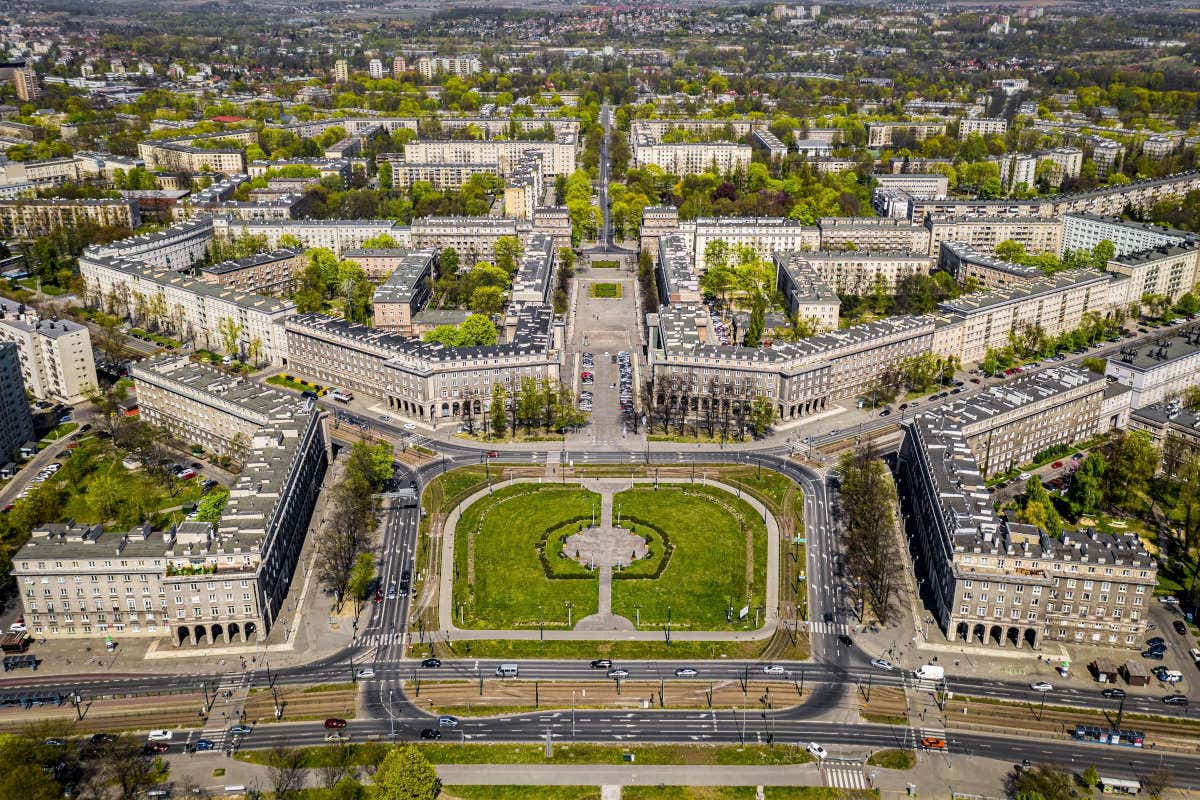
(401, 285)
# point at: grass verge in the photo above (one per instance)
(893, 759)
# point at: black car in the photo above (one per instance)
(1157, 641)
(431, 663)
(1157, 655)
(1176, 700)
(1114, 694)
(845, 640)
(1179, 627)
(828, 617)
(601, 663)
(430, 733)
(102, 738)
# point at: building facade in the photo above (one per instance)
(55, 355)
(16, 421)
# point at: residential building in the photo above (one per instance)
(874, 234)
(43, 173)
(1068, 161)
(1085, 231)
(524, 188)
(274, 272)
(924, 185)
(375, 69)
(985, 234)
(29, 219)
(967, 264)
(462, 66)
(1157, 146)
(405, 292)
(377, 264)
(399, 65)
(177, 247)
(198, 583)
(1159, 371)
(860, 273)
(558, 156)
(1173, 428)
(1107, 155)
(983, 126)
(997, 582)
(691, 158)
(531, 283)
(473, 238)
(805, 294)
(1168, 270)
(439, 175)
(764, 235)
(770, 142)
(657, 221)
(23, 78)
(337, 235)
(16, 421)
(341, 71)
(55, 355)
(1018, 170)
(884, 134)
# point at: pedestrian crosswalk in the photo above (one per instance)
(832, 628)
(845, 777)
(381, 639)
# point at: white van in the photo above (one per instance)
(507, 671)
(160, 735)
(1171, 675)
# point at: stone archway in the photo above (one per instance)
(1031, 638)
(251, 630)
(979, 633)
(1014, 636)
(218, 632)
(182, 634)
(202, 635)
(996, 635)
(234, 631)
(963, 632)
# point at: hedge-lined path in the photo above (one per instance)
(446, 597)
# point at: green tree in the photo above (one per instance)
(497, 411)
(230, 332)
(487, 300)
(1132, 460)
(1090, 777)
(406, 774)
(1039, 510)
(762, 415)
(1086, 493)
(385, 175)
(1045, 781)
(508, 253)
(210, 507)
(478, 330)
(362, 576)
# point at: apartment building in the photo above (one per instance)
(1107, 155)
(1019, 169)
(375, 69)
(1001, 583)
(874, 234)
(1157, 146)
(554, 220)
(894, 203)
(524, 189)
(55, 355)
(1159, 371)
(657, 221)
(200, 405)
(44, 173)
(421, 380)
(974, 323)
(531, 283)
(558, 156)
(196, 310)
(1085, 231)
(377, 264)
(859, 273)
(405, 292)
(1007, 425)
(883, 134)
(983, 126)
(764, 235)
(805, 293)
(770, 142)
(439, 175)
(675, 274)
(966, 263)
(1035, 234)
(1168, 270)
(691, 158)
(341, 71)
(924, 185)
(29, 219)
(181, 157)
(177, 247)
(1173, 429)
(274, 272)
(338, 235)
(473, 238)
(324, 167)
(1068, 161)
(197, 583)
(462, 66)
(16, 421)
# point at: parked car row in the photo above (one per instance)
(625, 366)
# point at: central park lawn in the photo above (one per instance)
(509, 585)
(708, 566)
(606, 290)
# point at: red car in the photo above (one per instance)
(152, 748)
(493, 454)
(1057, 465)
(333, 723)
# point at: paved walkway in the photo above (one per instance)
(446, 597)
(605, 547)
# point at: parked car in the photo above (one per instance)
(1156, 655)
(816, 750)
(882, 663)
(1179, 627)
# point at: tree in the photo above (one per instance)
(285, 768)
(1039, 510)
(762, 415)
(362, 576)
(487, 300)
(508, 253)
(1042, 780)
(497, 410)
(385, 175)
(478, 330)
(1131, 461)
(230, 332)
(406, 774)
(209, 508)
(868, 498)
(1090, 777)
(1086, 493)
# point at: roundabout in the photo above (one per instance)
(609, 558)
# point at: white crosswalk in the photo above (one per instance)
(381, 639)
(845, 778)
(832, 628)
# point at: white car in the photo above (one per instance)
(882, 663)
(17, 627)
(1042, 686)
(1025, 476)
(774, 669)
(1169, 600)
(1195, 654)
(409, 426)
(816, 750)
(366, 672)
(160, 735)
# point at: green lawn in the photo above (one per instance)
(893, 759)
(288, 382)
(586, 650)
(509, 586)
(65, 429)
(606, 290)
(453, 792)
(605, 264)
(708, 565)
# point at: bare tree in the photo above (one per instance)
(285, 768)
(872, 555)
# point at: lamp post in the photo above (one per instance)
(569, 606)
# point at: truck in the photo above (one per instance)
(930, 672)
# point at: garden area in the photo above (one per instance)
(606, 290)
(285, 381)
(605, 263)
(500, 580)
(717, 547)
